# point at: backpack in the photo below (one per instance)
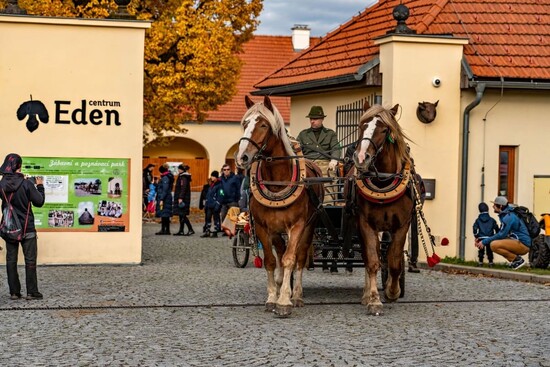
(531, 223)
(10, 227)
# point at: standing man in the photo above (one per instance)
(231, 186)
(21, 193)
(512, 240)
(320, 144)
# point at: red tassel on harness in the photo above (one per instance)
(433, 260)
(258, 262)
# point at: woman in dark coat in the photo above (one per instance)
(164, 198)
(182, 197)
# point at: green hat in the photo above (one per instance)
(316, 112)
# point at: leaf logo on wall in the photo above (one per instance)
(30, 110)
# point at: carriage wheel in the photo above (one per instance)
(384, 272)
(241, 250)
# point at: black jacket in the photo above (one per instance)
(24, 192)
(183, 192)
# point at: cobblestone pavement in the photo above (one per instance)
(195, 308)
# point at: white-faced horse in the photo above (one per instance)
(280, 202)
(383, 199)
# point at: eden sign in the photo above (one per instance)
(88, 112)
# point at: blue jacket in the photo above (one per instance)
(164, 194)
(485, 226)
(231, 188)
(511, 227)
(213, 196)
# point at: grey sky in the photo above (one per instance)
(322, 16)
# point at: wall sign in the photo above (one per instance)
(82, 194)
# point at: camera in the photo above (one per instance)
(436, 82)
(33, 179)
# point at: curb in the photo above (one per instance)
(494, 273)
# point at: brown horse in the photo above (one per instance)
(280, 203)
(382, 200)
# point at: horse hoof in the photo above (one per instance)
(283, 311)
(270, 307)
(298, 303)
(392, 297)
(375, 309)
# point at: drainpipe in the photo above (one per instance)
(480, 88)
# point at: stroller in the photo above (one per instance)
(149, 211)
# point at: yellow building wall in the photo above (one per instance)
(515, 118)
(73, 60)
(409, 66)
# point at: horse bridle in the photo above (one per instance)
(258, 156)
(378, 149)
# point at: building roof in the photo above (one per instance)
(507, 38)
(261, 56)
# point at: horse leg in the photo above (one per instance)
(278, 244)
(395, 257)
(284, 304)
(301, 258)
(270, 263)
(371, 246)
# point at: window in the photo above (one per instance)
(507, 172)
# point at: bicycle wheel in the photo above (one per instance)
(241, 250)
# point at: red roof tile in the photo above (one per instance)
(260, 56)
(508, 38)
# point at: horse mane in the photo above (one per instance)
(399, 137)
(275, 120)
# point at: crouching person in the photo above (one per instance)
(512, 240)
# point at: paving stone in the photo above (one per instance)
(193, 307)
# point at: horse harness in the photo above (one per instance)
(384, 195)
(285, 197)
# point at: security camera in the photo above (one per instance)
(436, 82)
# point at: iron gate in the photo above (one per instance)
(347, 118)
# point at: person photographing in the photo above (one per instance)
(21, 194)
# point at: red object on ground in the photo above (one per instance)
(258, 262)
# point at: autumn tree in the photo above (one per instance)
(191, 62)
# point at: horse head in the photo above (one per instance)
(263, 127)
(426, 111)
(376, 127)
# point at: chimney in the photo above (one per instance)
(300, 37)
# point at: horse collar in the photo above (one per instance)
(281, 198)
(384, 195)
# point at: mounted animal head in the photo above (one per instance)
(379, 131)
(263, 128)
(426, 111)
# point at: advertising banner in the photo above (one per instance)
(82, 194)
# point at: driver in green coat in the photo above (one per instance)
(320, 144)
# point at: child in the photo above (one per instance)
(485, 226)
(213, 206)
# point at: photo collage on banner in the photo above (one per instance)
(82, 194)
